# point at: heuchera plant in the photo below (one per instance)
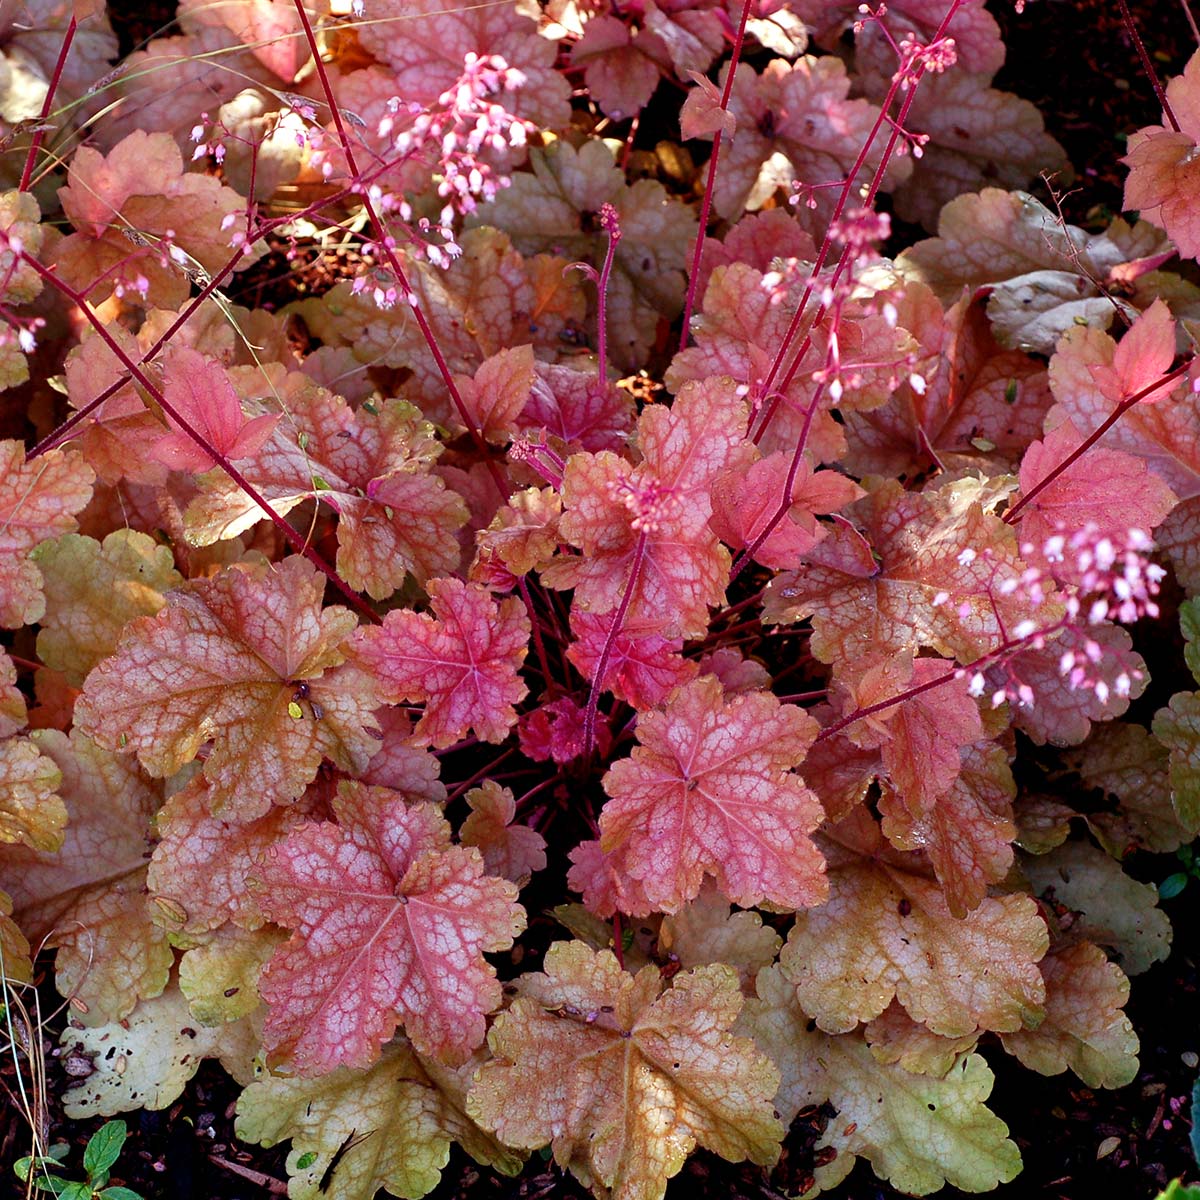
(555, 682)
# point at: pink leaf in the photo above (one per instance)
(1164, 172)
(710, 790)
(199, 390)
(391, 924)
(1108, 489)
(461, 662)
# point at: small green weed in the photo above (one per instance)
(41, 1172)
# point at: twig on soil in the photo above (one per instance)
(273, 1185)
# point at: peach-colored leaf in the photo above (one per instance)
(461, 662)
(250, 662)
(571, 406)
(1163, 173)
(38, 500)
(976, 404)
(20, 221)
(372, 467)
(1085, 1028)
(702, 112)
(606, 890)
(894, 1037)
(933, 579)
(888, 932)
(620, 71)
(510, 849)
(425, 42)
(977, 135)
(199, 867)
(141, 187)
(1062, 715)
(710, 790)
(88, 898)
(495, 395)
(623, 1079)
(390, 925)
(922, 739)
(93, 590)
(522, 535)
(976, 35)
(707, 930)
(1046, 278)
(403, 763)
(968, 833)
(1145, 353)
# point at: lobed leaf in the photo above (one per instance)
(354, 1132)
(709, 790)
(390, 926)
(918, 1132)
(229, 660)
(38, 501)
(461, 662)
(622, 1079)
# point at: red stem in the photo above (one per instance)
(992, 656)
(1117, 413)
(614, 236)
(393, 262)
(839, 208)
(482, 773)
(715, 158)
(1147, 65)
(293, 538)
(59, 435)
(747, 555)
(589, 716)
(60, 63)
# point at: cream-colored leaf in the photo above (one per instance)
(917, 1131)
(220, 978)
(146, 1060)
(387, 1127)
(1113, 909)
(1084, 1028)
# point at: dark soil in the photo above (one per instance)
(1074, 59)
